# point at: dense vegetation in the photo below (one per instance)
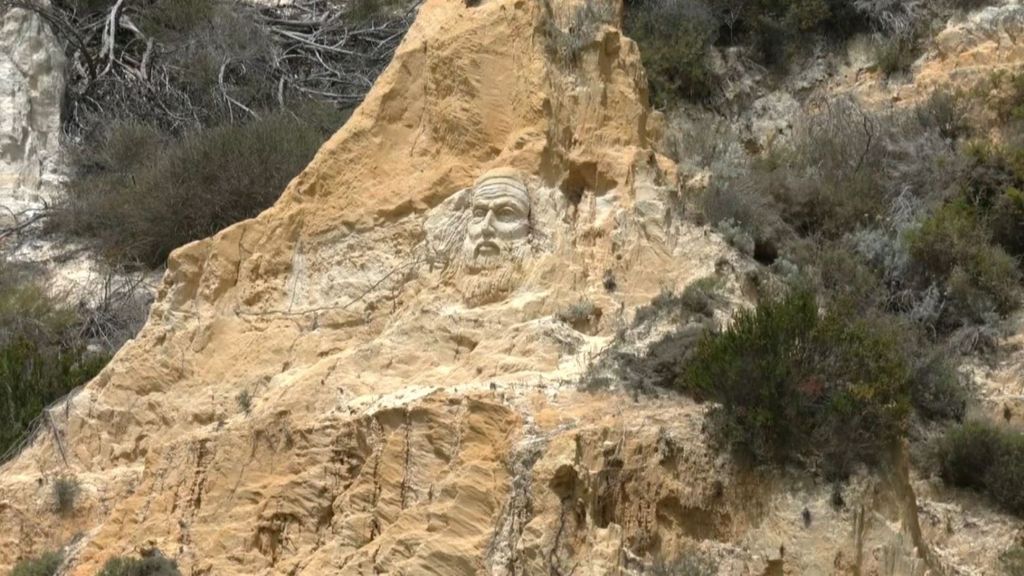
(988, 458)
(43, 353)
(793, 383)
(46, 564)
(676, 37)
(140, 193)
(185, 116)
(891, 243)
(149, 566)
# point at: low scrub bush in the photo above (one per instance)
(579, 314)
(139, 194)
(988, 458)
(953, 248)
(149, 566)
(895, 53)
(701, 295)
(675, 37)
(42, 354)
(795, 385)
(1007, 221)
(65, 493)
(945, 112)
(936, 391)
(45, 564)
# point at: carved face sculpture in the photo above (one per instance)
(499, 223)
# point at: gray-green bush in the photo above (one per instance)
(155, 565)
(953, 248)
(988, 458)
(65, 493)
(46, 564)
(138, 193)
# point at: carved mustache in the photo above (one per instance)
(486, 247)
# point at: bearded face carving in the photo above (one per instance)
(498, 229)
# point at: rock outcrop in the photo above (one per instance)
(382, 373)
(31, 86)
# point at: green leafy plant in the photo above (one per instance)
(42, 354)
(988, 458)
(952, 247)
(674, 37)
(45, 564)
(155, 565)
(794, 385)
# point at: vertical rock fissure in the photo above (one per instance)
(406, 480)
(502, 556)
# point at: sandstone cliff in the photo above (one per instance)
(381, 373)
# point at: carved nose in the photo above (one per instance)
(488, 230)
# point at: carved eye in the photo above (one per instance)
(507, 215)
(479, 212)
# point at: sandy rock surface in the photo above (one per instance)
(381, 373)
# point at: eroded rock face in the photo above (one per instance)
(398, 321)
(31, 86)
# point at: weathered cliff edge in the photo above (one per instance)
(415, 409)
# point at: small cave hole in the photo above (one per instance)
(766, 252)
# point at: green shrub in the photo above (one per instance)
(794, 385)
(945, 112)
(150, 566)
(138, 194)
(43, 565)
(988, 458)
(675, 37)
(42, 356)
(700, 295)
(65, 492)
(935, 388)
(953, 248)
(807, 14)
(728, 205)
(1007, 221)
(895, 53)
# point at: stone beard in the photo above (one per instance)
(496, 242)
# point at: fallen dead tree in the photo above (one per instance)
(181, 64)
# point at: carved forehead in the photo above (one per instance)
(501, 188)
